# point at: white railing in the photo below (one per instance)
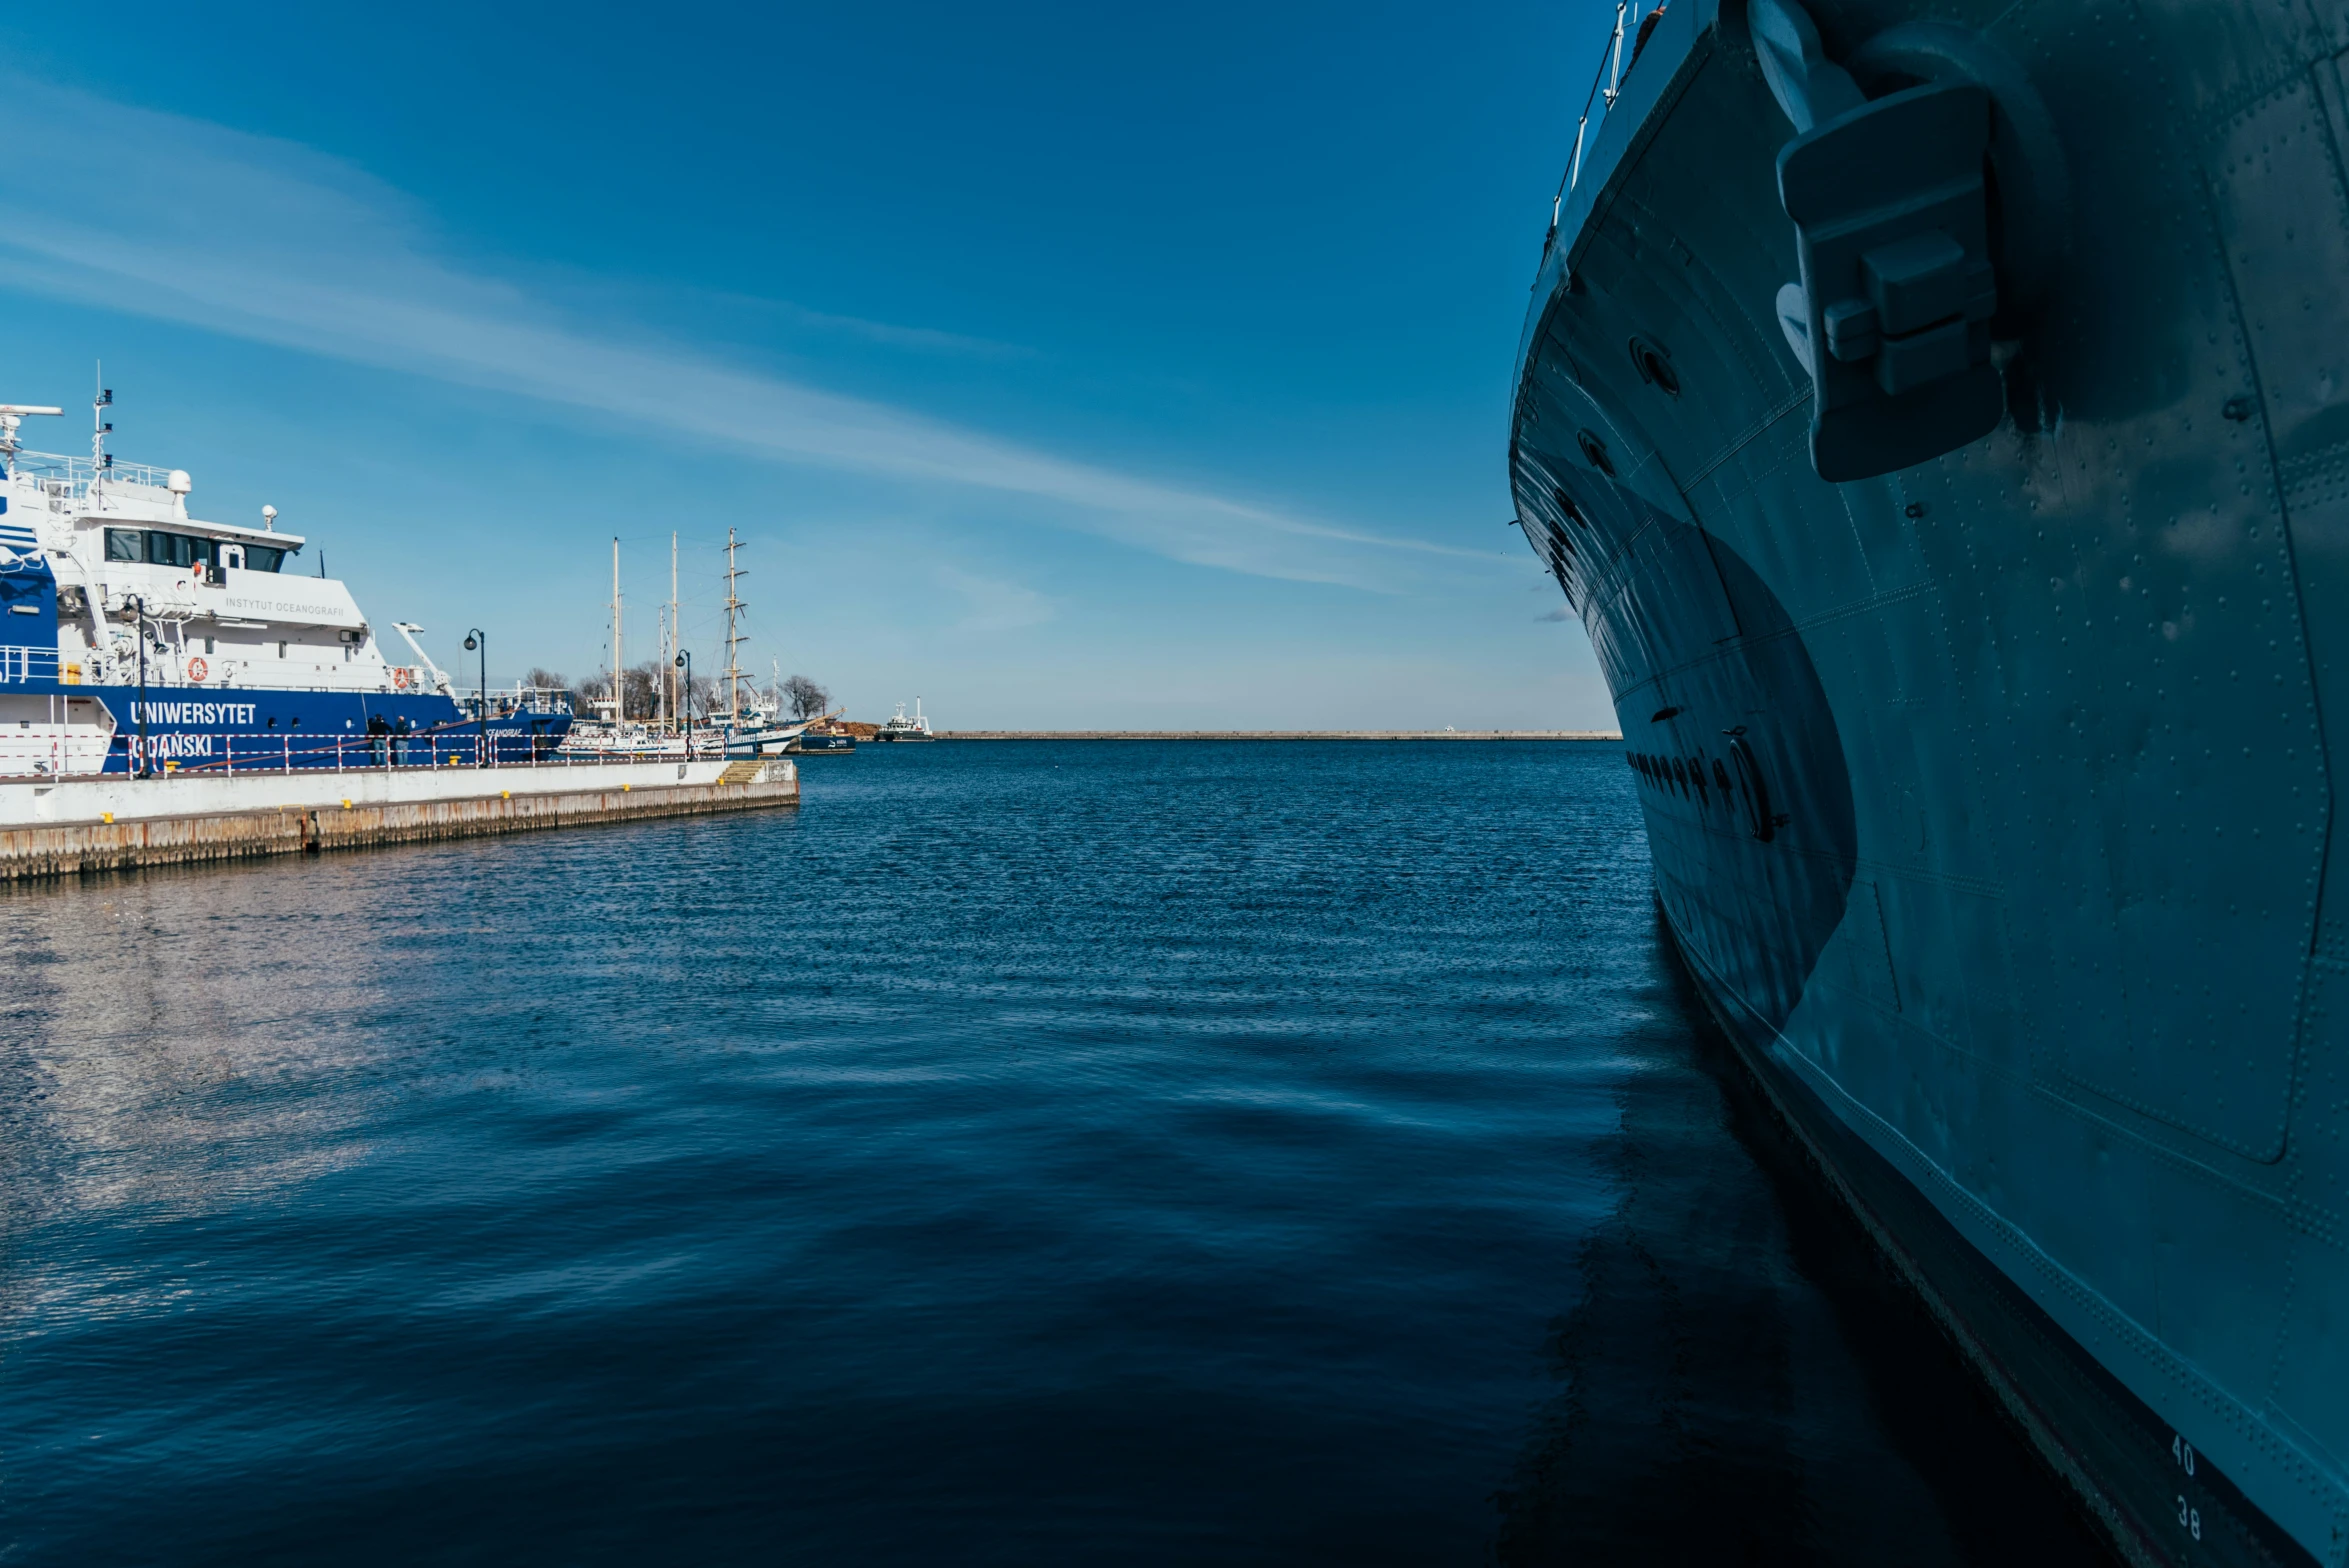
(21, 665)
(509, 700)
(1605, 88)
(51, 752)
(64, 475)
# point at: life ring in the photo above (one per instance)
(198, 669)
(400, 676)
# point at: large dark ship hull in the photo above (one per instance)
(2154, 1496)
(1963, 530)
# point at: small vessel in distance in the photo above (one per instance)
(760, 729)
(825, 736)
(605, 738)
(899, 727)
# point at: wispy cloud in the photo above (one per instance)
(891, 334)
(995, 605)
(928, 340)
(190, 222)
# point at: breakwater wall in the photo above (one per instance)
(1278, 735)
(73, 826)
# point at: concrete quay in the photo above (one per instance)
(1413, 735)
(75, 826)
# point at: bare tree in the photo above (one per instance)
(807, 699)
(545, 680)
(644, 684)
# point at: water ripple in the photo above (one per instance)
(1150, 1153)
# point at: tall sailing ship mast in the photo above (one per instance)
(618, 690)
(734, 641)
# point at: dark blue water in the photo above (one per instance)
(1021, 1153)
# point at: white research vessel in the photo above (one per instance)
(134, 636)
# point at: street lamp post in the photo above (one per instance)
(139, 623)
(479, 639)
(685, 701)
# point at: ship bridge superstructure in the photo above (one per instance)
(143, 591)
(138, 635)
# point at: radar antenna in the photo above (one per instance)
(12, 415)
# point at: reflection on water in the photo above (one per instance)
(1023, 1153)
(1742, 1379)
(160, 1035)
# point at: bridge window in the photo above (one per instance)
(263, 558)
(125, 544)
(177, 549)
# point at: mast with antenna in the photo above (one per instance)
(100, 427)
(619, 709)
(734, 606)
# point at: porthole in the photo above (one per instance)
(1655, 366)
(1594, 452)
(1757, 792)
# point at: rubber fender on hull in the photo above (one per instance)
(1901, 276)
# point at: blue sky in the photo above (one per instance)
(1068, 365)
